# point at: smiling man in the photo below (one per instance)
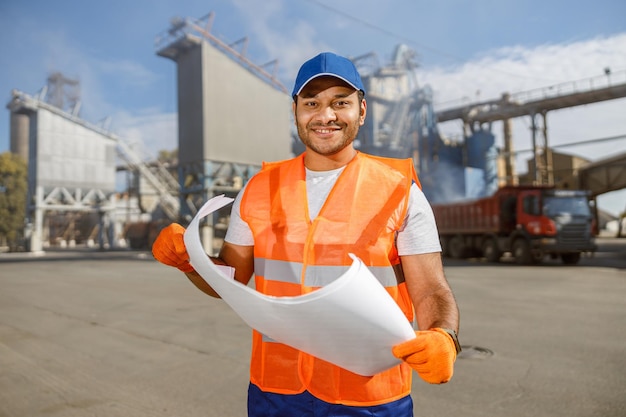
(293, 227)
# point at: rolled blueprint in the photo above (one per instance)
(352, 322)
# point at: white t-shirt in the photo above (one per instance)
(417, 235)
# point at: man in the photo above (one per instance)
(293, 225)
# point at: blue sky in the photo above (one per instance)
(467, 50)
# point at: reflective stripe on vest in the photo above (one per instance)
(316, 275)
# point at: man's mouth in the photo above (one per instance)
(325, 130)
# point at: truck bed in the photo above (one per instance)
(482, 216)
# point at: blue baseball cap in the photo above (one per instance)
(331, 64)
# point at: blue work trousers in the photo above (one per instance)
(267, 404)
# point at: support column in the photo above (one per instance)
(207, 226)
(536, 176)
(36, 239)
(548, 169)
(510, 173)
(509, 155)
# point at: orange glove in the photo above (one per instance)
(169, 248)
(432, 354)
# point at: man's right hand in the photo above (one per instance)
(169, 248)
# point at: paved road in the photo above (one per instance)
(116, 334)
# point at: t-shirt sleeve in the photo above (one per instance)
(419, 232)
(238, 232)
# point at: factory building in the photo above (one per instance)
(71, 169)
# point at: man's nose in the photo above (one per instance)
(327, 114)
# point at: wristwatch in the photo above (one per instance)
(455, 339)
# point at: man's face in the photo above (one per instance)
(328, 115)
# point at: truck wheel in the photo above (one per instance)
(570, 258)
(491, 251)
(456, 247)
(522, 252)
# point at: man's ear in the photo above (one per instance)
(363, 112)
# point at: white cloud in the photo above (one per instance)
(518, 69)
(515, 69)
(147, 133)
(130, 72)
(292, 43)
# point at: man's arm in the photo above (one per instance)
(430, 293)
(239, 257)
(433, 351)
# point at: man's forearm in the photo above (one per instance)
(438, 309)
(201, 284)
(430, 292)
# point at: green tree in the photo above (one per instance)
(169, 157)
(13, 190)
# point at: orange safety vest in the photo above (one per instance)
(294, 255)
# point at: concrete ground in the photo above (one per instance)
(112, 334)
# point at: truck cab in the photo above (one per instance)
(553, 222)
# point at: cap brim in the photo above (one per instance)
(322, 75)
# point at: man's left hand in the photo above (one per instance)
(432, 354)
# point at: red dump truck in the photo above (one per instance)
(529, 222)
